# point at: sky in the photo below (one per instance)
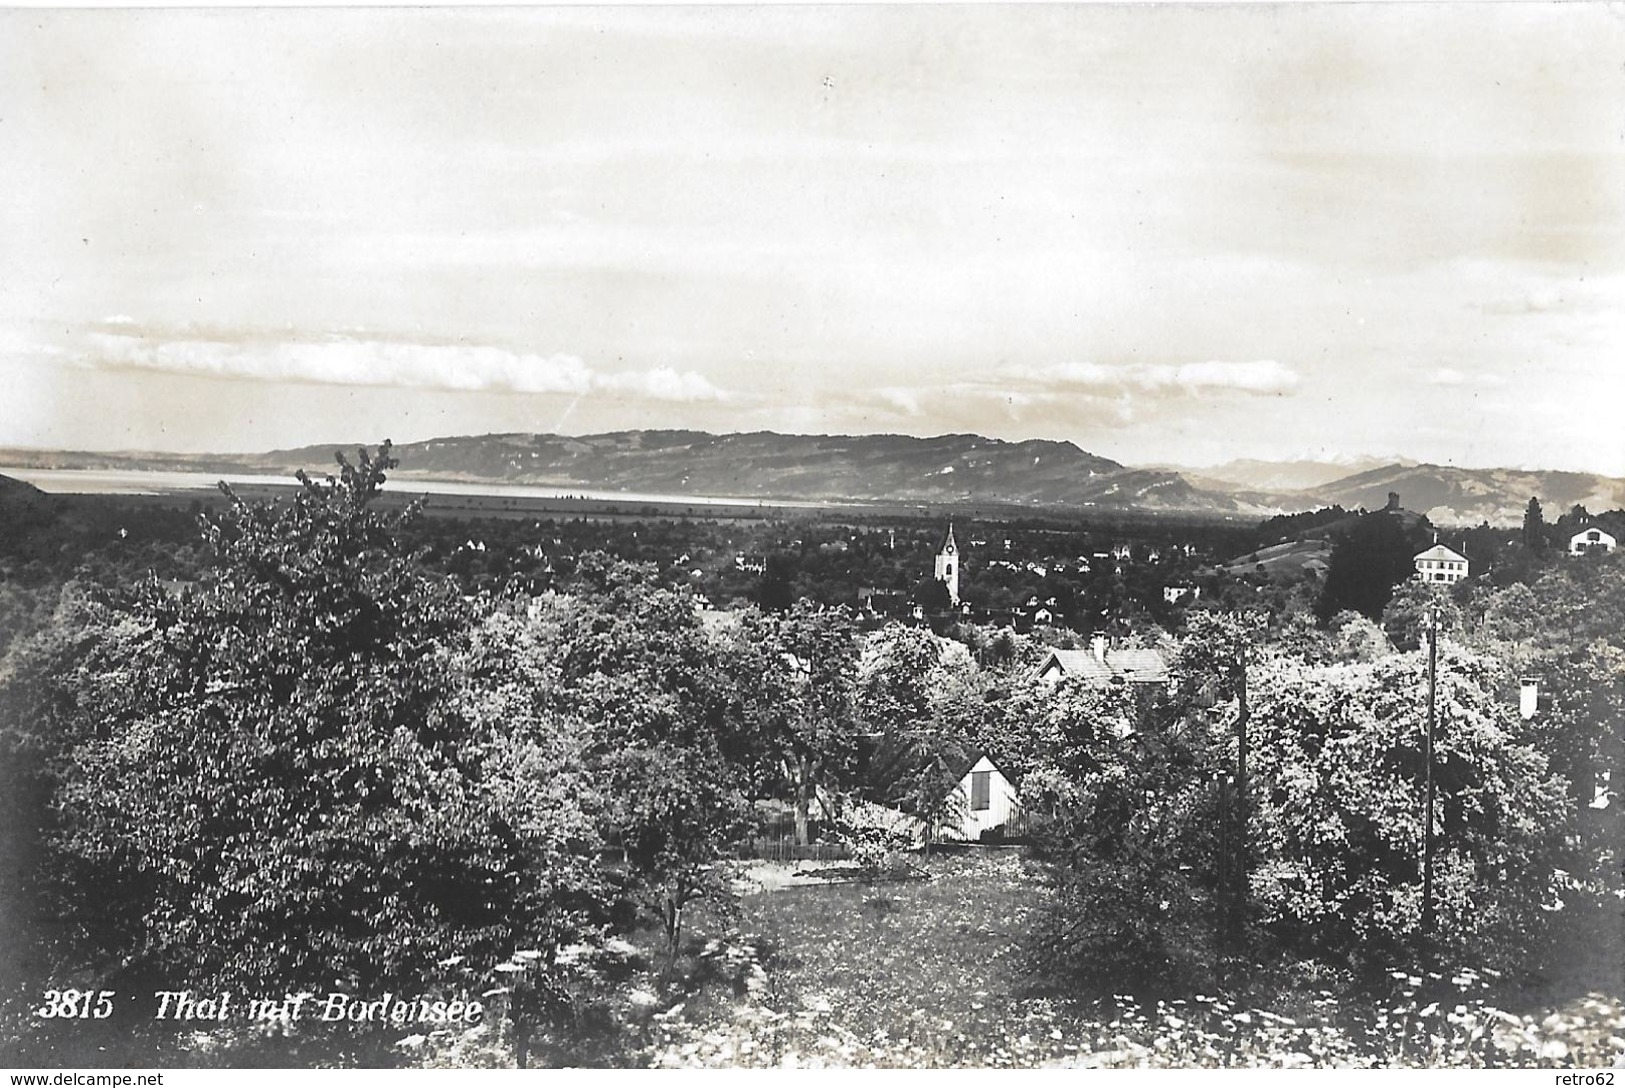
(1169, 234)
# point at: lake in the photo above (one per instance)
(141, 482)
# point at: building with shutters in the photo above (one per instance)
(987, 802)
(1591, 539)
(1441, 565)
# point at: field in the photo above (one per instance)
(927, 973)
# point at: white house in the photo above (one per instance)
(1591, 539)
(1441, 564)
(982, 799)
(987, 799)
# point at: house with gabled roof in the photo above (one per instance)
(1442, 565)
(1591, 539)
(982, 799)
(1101, 664)
(986, 801)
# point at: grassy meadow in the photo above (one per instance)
(927, 972)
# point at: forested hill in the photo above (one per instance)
(947, 468)
(1449, 495)
(16, 496)
(10, 488)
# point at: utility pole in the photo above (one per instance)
(1427, 833)
(1238, 895)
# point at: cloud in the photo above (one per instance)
(1546, 295)
(397, 364)
(1446, 375)
(661, 383)
(1263, 378)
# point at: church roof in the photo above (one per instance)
(948, 544)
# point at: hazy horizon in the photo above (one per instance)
(1176, 235)
(1355, 462)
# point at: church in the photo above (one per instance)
(948, 566)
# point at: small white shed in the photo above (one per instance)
(987, 799)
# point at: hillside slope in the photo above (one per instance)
(944, 469)
(1468, 496)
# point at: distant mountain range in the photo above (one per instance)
(1280, 476)
(959, 468)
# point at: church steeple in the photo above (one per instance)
(948, 565)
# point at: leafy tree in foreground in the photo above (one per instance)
(666, 741)
(916, 750)
(1339, 776)
(795, 672)
(277, 781)
(1132, 843)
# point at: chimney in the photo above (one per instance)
(1528, 697)
(1098, 644)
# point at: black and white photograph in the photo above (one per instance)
(774, 536)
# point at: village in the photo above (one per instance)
(811, 537)
(784, 764)
(984, 804)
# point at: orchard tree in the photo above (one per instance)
(796, 674)
(1128, 826)
(1339, 836)
(915, 752)
(277, 780)
(546, 808)
(667, 743)
(1215, 656)
(1414, 609)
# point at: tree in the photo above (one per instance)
(1413, 607)
(797, 672)
(931, 594)
(1534, 527)
(1355, 638)
(912, 760)
(1129, 838)
(1213, 660)
(668, 743)
(1367, 562)
(278, 779)
(776, 592)
(1340, 774)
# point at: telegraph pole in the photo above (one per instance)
(1238, 850)
(1427, 833)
